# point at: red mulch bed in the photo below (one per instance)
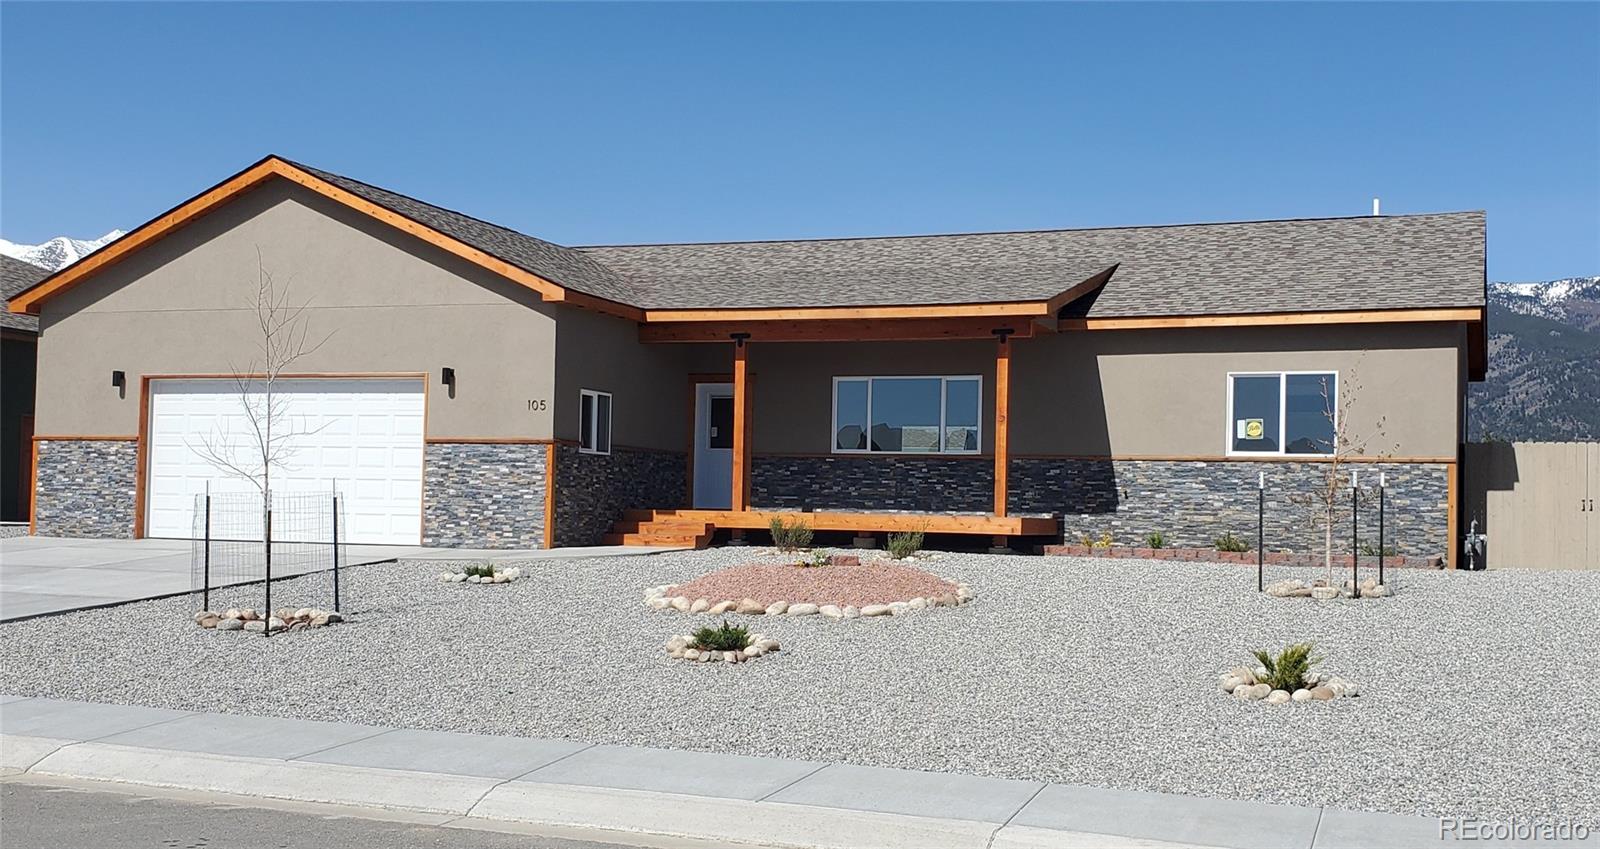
(874, 582)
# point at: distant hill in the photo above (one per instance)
(1544, 363)
(57, 253)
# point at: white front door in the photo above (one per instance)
(713, 445)
(361, 436)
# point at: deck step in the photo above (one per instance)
(674, 540)
(678, 527)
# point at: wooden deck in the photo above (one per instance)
(694, 527)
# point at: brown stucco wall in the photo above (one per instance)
(391, 303)
(648, 383)
(1144, 393)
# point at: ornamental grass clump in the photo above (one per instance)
(1155, 540)
(904, 545)
(789, 537)
(480, 570)
(1288, 670)
(1229, 542)
(724, 637)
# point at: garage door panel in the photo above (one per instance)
(362, 436)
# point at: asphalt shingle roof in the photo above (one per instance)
(1301, 265)
(1434, 260)
(560, 265)
(16, 275)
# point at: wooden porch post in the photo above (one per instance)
(741, 425)
(1002, 418)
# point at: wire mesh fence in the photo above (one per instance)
(244, 550)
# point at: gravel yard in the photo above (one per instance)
(1480, 692)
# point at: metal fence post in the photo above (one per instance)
(1381, 487)
(336, 553)
(205, 583)
(1355, 537)
(266, 615)
(1261, 531)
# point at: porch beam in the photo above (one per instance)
(741, 423)
(1002, 419)
(857, 330)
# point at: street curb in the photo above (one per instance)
(763, 823)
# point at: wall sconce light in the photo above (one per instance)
(119, 380)
(447, 376)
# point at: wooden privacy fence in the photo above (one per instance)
(1536, 502)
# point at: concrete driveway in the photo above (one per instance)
(40, 575)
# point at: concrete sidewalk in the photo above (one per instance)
(765, 801)
(45, 575)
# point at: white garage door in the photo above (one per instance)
(360, 436)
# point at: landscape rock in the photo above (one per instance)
(749, 606)
(230, 624)
(852, 612)
(832, 611)
(681, 604)
(1277, 697)
(210, 621)
(1376, 591)
(777, 608)
(255, 626)
(876, 610)
(802, 609)
(1322, 694)
(917, 603)
(721, 607)
(700, 605)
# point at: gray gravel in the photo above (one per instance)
(1480, 692)
(13, 531)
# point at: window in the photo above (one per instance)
(907, 415)
(1282, 412)
(594, 427)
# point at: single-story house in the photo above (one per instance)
(482, 387)
(19, 335)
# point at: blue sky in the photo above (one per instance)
(620, 123)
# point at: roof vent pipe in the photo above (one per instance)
(1375, 211)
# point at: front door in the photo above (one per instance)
(713, 446)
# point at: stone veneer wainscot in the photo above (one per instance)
(86, 487)
(1191, 502)
(592, 490)
(479, 495)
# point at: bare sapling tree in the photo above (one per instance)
(1342, 447)
(268, 442)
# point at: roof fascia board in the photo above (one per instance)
(28, 301)
(1270, 319)
(1009, 309)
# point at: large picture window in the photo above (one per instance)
(1282, 413)
(907, 415)
(594, 422)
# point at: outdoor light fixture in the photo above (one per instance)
(448, 377)
(119, 379)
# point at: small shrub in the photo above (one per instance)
(1288, 670)
(1102, 541)
(1155, 540)
(789, 537)
(1229, 542)
(1370, 550)
(724, 637)
(481, 570)
(817, 560)
(903, 545)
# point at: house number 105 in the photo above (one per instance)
(538, 405)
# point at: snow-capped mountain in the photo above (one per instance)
(58, 252)
(1573, 300)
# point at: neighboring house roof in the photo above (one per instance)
(1366, 263)
(16, 275)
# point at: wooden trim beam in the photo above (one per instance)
(29, 300)
(1006, 309)
(1453, 518)
(741, 426)
(1002, 423)
(847, 330)
(1273, 319)
(549, 495)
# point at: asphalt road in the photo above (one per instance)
(78, 816)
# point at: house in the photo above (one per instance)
(487, 388)
(18, 339)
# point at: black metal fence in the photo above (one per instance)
(246, 553)
(1374, 554)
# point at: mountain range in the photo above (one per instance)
(1544, 351)
(58, 252)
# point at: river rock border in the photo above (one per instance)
(506, 576)
(1241, 683)
(681, 647)
(656, 598)
(248, 619)
(1323, 591)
